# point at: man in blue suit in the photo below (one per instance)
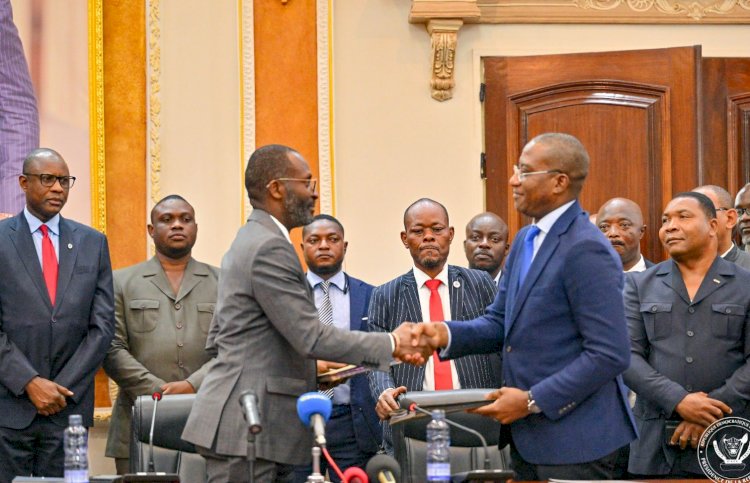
(56, 320)
(353, 433)
(559, 318)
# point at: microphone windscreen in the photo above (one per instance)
(156, 396)
(313, 403)
(354, 474)
(381, 463)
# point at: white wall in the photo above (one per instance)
(394, 143)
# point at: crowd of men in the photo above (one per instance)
(605, 364)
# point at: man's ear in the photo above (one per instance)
(274, 190)
(403, 239)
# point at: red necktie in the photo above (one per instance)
(49, 263)
(443, 376)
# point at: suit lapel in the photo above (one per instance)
(716, 277)
(194, 275)
(671, 277)
(69, 245)
(155, 274)
(456, 291)
(356, 304)
(20, 236)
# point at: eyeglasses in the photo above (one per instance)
(521, 175)
(742, 211)
(48, 180)
(311, 183)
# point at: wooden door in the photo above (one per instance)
(635, 111)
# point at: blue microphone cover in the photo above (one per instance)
(313, 403)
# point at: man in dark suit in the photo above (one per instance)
(486, 244)
(689, 321)
(726, 217)
(56, 320)
(621, 221)
(461, 294)
(559, 318)
(353, 433)
(266, 334)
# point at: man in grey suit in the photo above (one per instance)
(689, 323)
(56, 320)
(266, 334)
(460, 293)
(163, 309)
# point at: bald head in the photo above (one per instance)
(40, 155)
(621, 221)
(726, 215)
(424, 203)
(486, 242)
(568, 154)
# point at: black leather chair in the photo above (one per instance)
(171, 453)
(467, 453)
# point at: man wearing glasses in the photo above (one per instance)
(266, 333)
(742, 205)
(559, 319)
(56, 320)
(727, 217)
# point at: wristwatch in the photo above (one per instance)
(531, 405)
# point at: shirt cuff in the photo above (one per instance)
(443, 353)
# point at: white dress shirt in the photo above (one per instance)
(53, 225)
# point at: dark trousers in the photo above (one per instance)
(36, 450)
(605, 468)
(236, 469)
(341, 442)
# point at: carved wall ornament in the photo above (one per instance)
(444, 37)
(154, 98)
(694, 9)
(96, 115)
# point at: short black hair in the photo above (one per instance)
(323, 217)
(425, 200)
(168, 198)
(266, 164)
(703, 201)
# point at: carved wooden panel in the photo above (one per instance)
(634, 111)
(738, 122)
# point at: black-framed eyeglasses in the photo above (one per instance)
(48, 180)
(521, 175)
(742, 211)
(310, 183)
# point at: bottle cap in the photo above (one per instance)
(438, 414)
(75, 420)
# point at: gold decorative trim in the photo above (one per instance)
(325, 150)
(96, 115)
(247, 86)
(153, 21)
(444, 37)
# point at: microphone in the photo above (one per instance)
(249, 404)
(156, 398)
(313, 410)
(383, 469)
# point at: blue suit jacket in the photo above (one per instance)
(365, 420)
(65, 343)
(564, 336)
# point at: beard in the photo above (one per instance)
(299, 211)
(325, 269)
(430, 262)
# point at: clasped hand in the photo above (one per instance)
(47, 396)
(416, 342)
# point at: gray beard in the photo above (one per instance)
(297, 213)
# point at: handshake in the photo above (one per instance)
(415, 342)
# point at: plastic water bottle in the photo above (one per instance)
(76, 451)
(438, 448)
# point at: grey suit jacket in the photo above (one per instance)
(65, 343)
(159, 337)
(679, 347)
(266, 335)
(739, 257)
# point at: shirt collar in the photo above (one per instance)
(338, 280)
(723, 255)
(497, 278)
(422, 277)
(547, 221)
(283, 229)
(638, 267)
(34, 223)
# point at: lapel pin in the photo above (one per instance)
(456, 283)
(716, 281)
(70, 246)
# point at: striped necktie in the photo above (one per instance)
(325, 314)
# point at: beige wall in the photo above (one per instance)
(200, 112)
(394, 144)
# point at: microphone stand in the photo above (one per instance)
(316, 476)
(251, 453)
(487, 474)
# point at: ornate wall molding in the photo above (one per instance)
(96, 115)
(325, 117)
(443, 37)
(153, 46)
(561, 11)
(247, 84)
